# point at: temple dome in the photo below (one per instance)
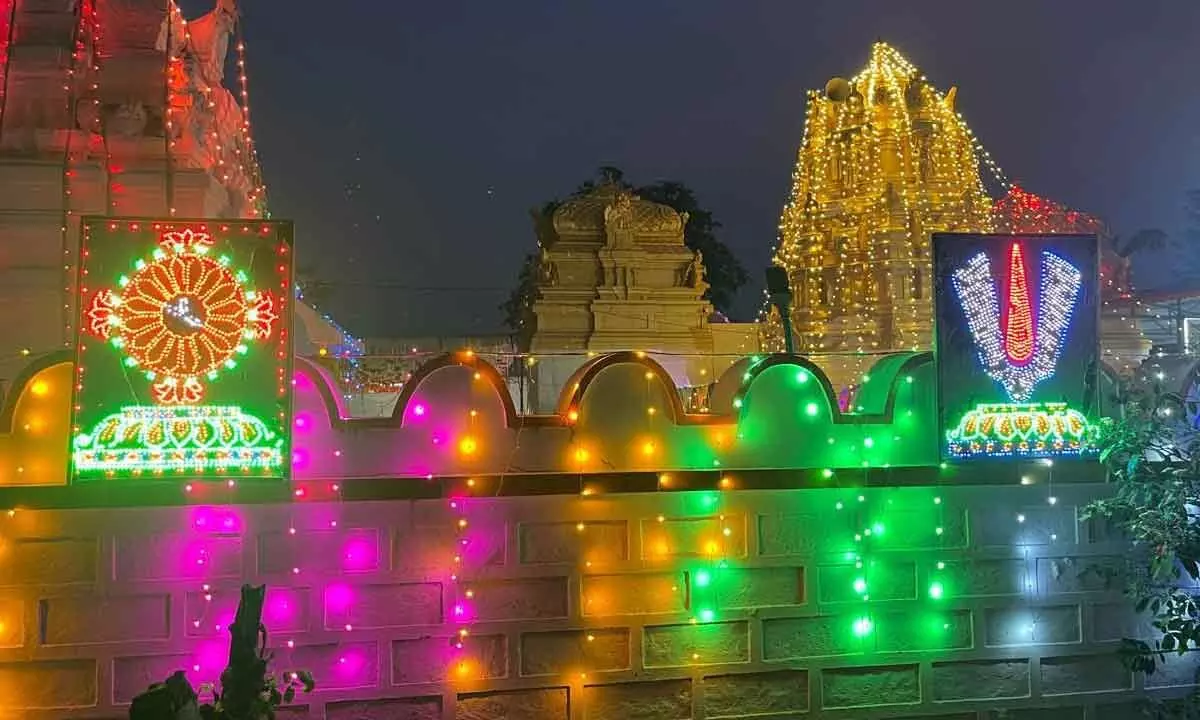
(584, 215)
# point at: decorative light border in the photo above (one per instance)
(203, 444)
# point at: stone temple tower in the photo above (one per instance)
(884, 162)
(109, 107)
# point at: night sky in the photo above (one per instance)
(409, 139)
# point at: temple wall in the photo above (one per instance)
(602, 606)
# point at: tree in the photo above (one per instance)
(1152, 454)
(722, 270)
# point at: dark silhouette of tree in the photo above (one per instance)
(722, 270)
(518, 308)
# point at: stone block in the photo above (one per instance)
(694, 537)
(922, 630)
(132, 675)
(634, 594)
(429, 550)
(178, 557)
(435, 659)
(794, 638)
(293, 712)
(210, 613)
(550, 703)
(662, 700)
(981, 680)
(916, 529)
(50, 561)
(527, 599)
(90, 619)
(759, 587)
(564, 542)
(985, 578)
(805, 534)
(870, 686)
(340, 666)
(695, 644)
(417, 708)
(48, 685)
(1114, 621)
(574, 651)
(12, 622)
(1049, 713)
(1031, 626)
(881, 580)
(1179, 671)
(1132, 710)
(324, 552)
(1086, 574)
(1084, 674)
(756, 694)
(382, 606)
(1021, 525)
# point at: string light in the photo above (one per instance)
(872, 152)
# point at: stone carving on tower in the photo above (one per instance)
(616, 275)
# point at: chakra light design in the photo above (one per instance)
(1019, 338)
(183, 316)
(174, 326)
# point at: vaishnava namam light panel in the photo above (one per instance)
(183, 350)
(1017, 344)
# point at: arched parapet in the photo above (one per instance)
(35, 423)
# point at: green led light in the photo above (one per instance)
(150, 439)
(860, 585)
(703, 578)
(802, 377)
(862, 626)
(877, 528)
(811, 409)
(827, 473)
(936, 591)
(707, 615)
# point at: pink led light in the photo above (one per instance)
(419, 410)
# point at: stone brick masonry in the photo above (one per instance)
(596, 608)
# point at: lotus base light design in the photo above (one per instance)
(1022, 429)
(161, 439)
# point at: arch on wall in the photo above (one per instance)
(22, 380)
(914, 362)
(577, 387)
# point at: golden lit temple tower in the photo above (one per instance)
(884, 162)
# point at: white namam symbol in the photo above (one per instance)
(183, 315)
(1020, 340)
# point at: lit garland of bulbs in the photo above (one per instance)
(851, 165)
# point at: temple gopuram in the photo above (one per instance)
(886, 161)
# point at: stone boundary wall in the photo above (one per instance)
(970, 603)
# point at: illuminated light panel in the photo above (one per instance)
(176, 306)
(179, 439)
(1014, 429)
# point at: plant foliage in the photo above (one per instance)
(247, 691)
(1152, 455)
